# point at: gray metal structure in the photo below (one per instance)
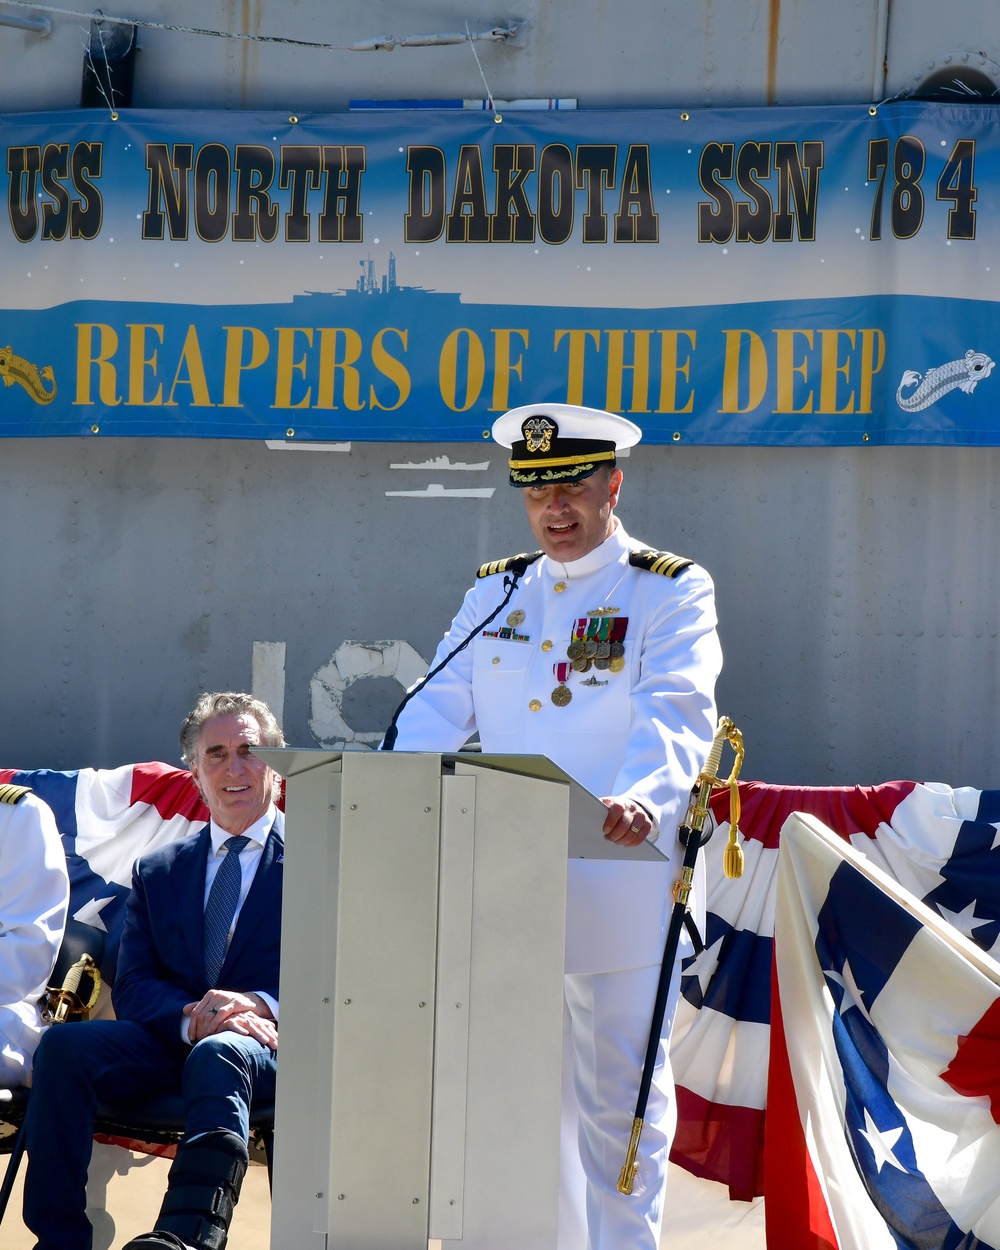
(415, 925)
(856, 587)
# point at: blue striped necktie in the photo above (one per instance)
(221, 908)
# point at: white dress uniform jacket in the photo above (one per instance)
(643, 732)
(34, 900)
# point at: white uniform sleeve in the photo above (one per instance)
(673, 702)
(34, 901)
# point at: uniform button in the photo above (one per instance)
(496, 659)
(535, 705)
(559, 587)
(547, 645)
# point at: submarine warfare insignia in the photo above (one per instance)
(562, 693)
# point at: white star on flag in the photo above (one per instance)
(882, 1143)
(852, 995)
(707, 964)
(965, 920)
(90, 913)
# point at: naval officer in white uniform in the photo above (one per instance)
(34, 903)
(604, 659)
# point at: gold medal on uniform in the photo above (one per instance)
(616, 647)
(603, 643)
(562, 693)
(515, 618)
(575, 649)
(590, 646)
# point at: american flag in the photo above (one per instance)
(883, 1117)
(940, 843)
(107, 818)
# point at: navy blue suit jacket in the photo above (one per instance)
(161, 960)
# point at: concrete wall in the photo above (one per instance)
(859, 611)
(856, 587)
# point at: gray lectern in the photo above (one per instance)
(421, 1028)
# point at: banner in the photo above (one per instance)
(729, 276)
(939, 843)
(883, 1116)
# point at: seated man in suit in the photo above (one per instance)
(34, 900)
(196, 1000)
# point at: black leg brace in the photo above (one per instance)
(202, 1190)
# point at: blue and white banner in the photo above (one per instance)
(753, 276)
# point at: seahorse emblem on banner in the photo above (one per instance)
(964, 374)
(17, 369)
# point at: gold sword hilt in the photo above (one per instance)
(701, 794)
(66, 1000)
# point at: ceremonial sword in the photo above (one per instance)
(692, 836)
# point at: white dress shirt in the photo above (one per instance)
(249, 863)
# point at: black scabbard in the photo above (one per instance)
(679, 916)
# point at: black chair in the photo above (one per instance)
(159, 1120)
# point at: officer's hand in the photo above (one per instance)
(626, 823)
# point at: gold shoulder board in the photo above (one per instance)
(509, 564)
(13, 794)
(664, 562)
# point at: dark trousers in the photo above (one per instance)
(79, 1065)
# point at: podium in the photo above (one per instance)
(421, 1024)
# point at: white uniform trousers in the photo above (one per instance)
(14, 1064)
(606, 1034)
